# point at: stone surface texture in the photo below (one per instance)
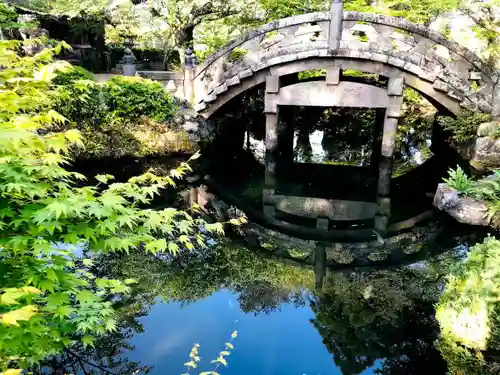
(465, 210)
(411, 48)
(486, 153)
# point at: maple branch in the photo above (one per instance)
(79, 359)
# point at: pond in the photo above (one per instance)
(359, 321)
(367, 308)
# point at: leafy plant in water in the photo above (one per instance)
(194, 358)
(48, 299)
(459, 181)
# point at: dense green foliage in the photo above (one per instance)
(468, 313)
(124, 116)
(70, 78)
(8, 17)
(48, 299)
(463, 129)
(131, 97)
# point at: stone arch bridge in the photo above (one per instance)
(447, 74)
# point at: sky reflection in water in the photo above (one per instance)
(282, 342)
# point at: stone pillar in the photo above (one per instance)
(377, 138)
(320, 264)
(272, 112)
(189, 66)
(286, 127)
(392, 114)
(383, 211)
(129, 69)
(337, 12)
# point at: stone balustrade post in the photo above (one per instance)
(392, 114)
(189, 68)
(337, 13)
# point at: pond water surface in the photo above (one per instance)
(377, 320)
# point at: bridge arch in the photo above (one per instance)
(389, 45)
(439, 98)
(448, 75)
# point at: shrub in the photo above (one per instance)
(76, 74)
(132, 97)
(80, 100)
(468, 312)
(463, 128)
(122, 117)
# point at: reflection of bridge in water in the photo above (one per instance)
(330, 203)
(421, 244)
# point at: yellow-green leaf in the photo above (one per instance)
(88, 341)
(191, 364)
(31, 290)
(12, 371)
(13, 317)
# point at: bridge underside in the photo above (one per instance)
(441, 99)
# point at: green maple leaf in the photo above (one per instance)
(46, 285)
(157, 245)
(64, 311)
(85, 297)
(51, 274)
(88, 341)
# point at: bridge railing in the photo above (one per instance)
(391, 40)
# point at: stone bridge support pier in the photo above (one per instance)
(392, 114)
(332, 92)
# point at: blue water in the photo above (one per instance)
(281, 342)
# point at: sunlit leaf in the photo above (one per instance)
(13, 317)
(88, 341)
(191, 364)
(12, 372)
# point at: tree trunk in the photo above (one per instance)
(184, 39)
(185, 36)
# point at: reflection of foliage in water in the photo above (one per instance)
(469, 313)
(343, 135)
(347, 134)
(195, 276)
(385, 314)
(262, 286)
(363, 316)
